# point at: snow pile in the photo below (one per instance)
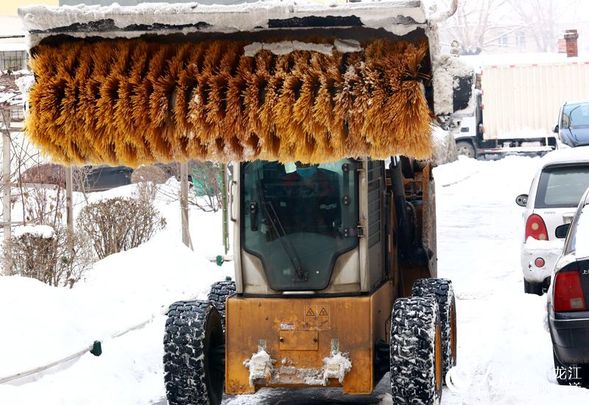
(446, 69)
(444, 146)
(544, 245)
(286, 47)
(582, 235)
(397, 16)
(260, 366)
(121, 291)
(36, 231)
(336, 366)
(456, 172)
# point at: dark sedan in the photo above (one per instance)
(86, 178)
(568, 301)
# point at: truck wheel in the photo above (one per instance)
(465, 148)
(441, 290)
(194, 354)
(416, 352)
(219, 293)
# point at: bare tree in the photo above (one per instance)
(538, 18)
(473, 23)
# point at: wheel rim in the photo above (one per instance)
(214, 360)
(438, 359)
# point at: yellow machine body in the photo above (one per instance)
(300, 333)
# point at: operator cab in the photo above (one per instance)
(298, 219)
(300, 227)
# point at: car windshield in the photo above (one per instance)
(562, 186)
(575, 115)
(298, 219)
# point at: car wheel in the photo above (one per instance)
(465, 148)
(533, 288)
(570, 374)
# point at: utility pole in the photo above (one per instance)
(69, 203)
(184, 204)
(225, 208)
(6, 206)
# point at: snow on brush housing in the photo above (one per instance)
(169, 82)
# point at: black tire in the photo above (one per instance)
(416, 346)
(465, 148)
(194, 354)
(441, 290)
(218, 295)
(560, 370)
(570, 374)
(533, 288)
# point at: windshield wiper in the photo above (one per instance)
(290, 251)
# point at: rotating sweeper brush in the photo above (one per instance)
(137, 101)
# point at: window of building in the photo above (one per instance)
(503, 41)
(520, 40)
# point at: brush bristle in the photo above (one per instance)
(137, 102)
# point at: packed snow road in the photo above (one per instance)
(504, 354)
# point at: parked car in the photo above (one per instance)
(554, 194)
(568, 304)
(573, 123)
(86, 178)
(100, 178)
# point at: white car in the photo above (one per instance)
(555, 192)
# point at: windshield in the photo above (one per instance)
(562, 186)
(578, 240)
(575, 115)
(298, 219)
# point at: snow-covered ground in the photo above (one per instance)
(41, 324)
(504, 348)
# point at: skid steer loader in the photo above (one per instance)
(326, 111)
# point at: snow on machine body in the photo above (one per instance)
(332, 226)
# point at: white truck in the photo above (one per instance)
(515, 103)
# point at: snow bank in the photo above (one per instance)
(444, 146)
(47, 323)
(37, 231)
(398, 16)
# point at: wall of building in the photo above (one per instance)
(9, 7)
